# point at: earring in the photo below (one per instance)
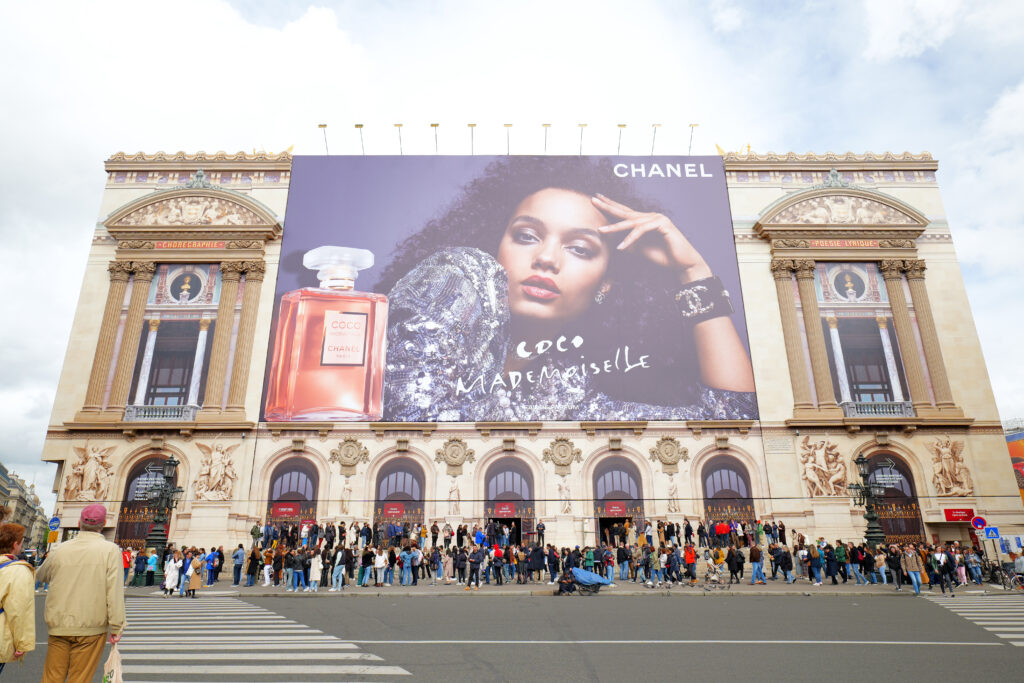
(599, 297)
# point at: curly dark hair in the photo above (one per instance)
(638, 311)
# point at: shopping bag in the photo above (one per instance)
(112, 669)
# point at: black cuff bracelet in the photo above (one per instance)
(704, 299)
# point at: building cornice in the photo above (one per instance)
(843, 162)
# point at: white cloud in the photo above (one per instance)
(906, 28)
(726, 15)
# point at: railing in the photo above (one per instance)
(878, 409)
(160, 413)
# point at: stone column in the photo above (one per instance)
(119, 273)
(892, 271)
(782, 272)
(197, 363)
(231, 272)
(890, 359)
(147, 363)
(815, 337)
(837, 354)
(142, 275)
(929, 337)
(254, 271)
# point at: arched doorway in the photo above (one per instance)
(899, 513)
(400, 491)
(292, 497)
(618, 497)
(727, 493)
(136, 515)
(509, 500)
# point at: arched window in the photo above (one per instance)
(136, 515)
(509, 479)
(617, 478)
(400, 479)
(295, 479)
(727, 491)
(899, 513)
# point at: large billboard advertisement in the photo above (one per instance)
(508, 289)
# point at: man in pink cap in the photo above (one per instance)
(85, 604)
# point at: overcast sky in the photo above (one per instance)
(82, 80)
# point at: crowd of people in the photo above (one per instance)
(662, 554)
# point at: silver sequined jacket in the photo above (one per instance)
(448, 319)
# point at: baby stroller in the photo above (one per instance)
(588, 583)
(714, 575)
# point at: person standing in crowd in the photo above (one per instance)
(126, 560)
(540, 532)
(253, 567)
(910, 562)
(85, 605)
(172, 573)
(756, 564)
(17, 597)
(944, 569)
(239, 559)
(195, 577)
(140, 568)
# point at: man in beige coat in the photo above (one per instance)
(85, 603)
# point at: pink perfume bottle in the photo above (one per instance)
(328, 362)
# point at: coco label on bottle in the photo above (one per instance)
(344, 338)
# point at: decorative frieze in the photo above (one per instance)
(454, 454)
(350, 453)
(562, 453)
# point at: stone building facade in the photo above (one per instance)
(860, 333)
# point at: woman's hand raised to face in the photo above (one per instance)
(655, 237)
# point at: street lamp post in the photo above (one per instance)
(165, 498)
(867, 494)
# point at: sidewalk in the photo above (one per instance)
(627, 588)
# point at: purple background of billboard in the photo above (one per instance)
(373, 202)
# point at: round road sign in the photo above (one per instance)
(54, 523)
(979, 523)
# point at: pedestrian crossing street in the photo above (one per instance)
(1003, 615)
(226, 639)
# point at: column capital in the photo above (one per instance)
(832, 321)
(232, 270)
(782, 268)
(915, 269)
(254, 270)
(204, 324)
(804, 268)
(892, 269)
(882, 321)
(154, 323)
(119, 270)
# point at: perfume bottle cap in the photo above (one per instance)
(337, 267)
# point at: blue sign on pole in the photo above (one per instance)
(992, 532)
(54, 523)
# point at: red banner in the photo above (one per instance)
(959, 514)
(504, 509)
(284, 509)
(616, 509)
(393, 509)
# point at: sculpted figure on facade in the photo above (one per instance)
(217, 475)
(192, 211)
(90, 476)
(673, 495)
(949, 472)
(669, 452)
(349, 453)
(562, 453)
(454, 454)
(565, 497)
(823, 469)
(454, 498)
(841, 210)
(346, 496)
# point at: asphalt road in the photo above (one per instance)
(631, 638)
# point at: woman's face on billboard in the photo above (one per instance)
(555, 258)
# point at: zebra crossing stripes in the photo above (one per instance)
(1003, 615)
(219, 639)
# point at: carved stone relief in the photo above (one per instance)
(823, 468)
(192, 211)
(669, 452)
(217, 475)
(949, 472)
(562, 453)
(841, 210)
(454, 454)
(349, 453)
(90, 475)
